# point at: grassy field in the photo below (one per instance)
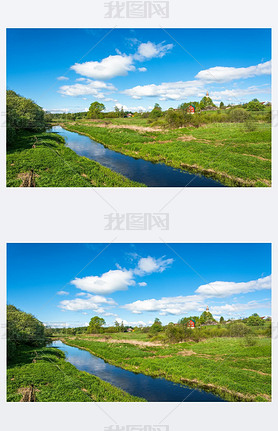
(54, 379)
(229, 367)
(55, 165)
(233, 153)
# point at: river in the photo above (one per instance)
(149, 173)
(140, 385)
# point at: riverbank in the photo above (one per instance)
(43, 160)
(43, 375)
(231, 153)
(226, 367)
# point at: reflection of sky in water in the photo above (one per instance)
(151, 174)
(152, 389)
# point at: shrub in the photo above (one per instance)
(238, 115)
(238, 330)
(175, 333)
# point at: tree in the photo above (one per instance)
(95, 325)
(222, 320)
(206, 317)
(95, 110)
(156, 112)
(222, 106)
(255, 105)
(23, 329)
(156, 327)
(22, 115)
(206, 102)
(254, 320)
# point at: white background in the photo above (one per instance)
(196, 215)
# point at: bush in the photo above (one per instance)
(250, 340)
(175, 333)
(238, 115)
(174, 119)
(23, 114)
(238, 330)
(23, 329)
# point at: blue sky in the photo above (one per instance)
(67, 284)
(68, 69)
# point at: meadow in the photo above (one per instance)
(55, 165)
(236, 154)
(234, 368)
(42, 374)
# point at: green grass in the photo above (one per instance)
(56, 380)
(225, 366)
(55, 165)
(228, 152)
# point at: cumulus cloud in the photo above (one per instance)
(92, 302)
(131, 108)
(149, 50)
(228, 288)
(167, 305)
(142, 284)
(142, 69)
(148, 265)
(127, 323)
(62, 78)
(62, 292)
(167, 90)
(225, 74)
(107, 68)
(183, 304)
(94, 88)
(235, 309)
(109, 282)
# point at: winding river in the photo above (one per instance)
(151, 174)
(140, 385)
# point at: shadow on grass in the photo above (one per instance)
(26, 140)
(26, 355)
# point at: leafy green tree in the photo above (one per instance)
(206, 317)
(222, 320)
(156, 112)
(22, 115)
(221, 106)
(255, 105)
(95, 325)
(206, 102)
(254, 320)
(156, 327)
(174, 333)
(23, 329)
(95, 110)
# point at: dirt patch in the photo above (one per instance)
(256, 371)
(128, 126)
(186, 138)
(134, 342)
(28, 394)
(257, 157)
(186, 353)
(28, 179)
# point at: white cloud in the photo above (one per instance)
(62, 78)
(168, 90)
(127, 323)
(142, 69)
(236, 309)
(237, 93)
(149, 50)
(225, 74)
(168, 305)
(92, 302)
(184, 304)
(131, 108)
(142, 284)
(108, 282)
(148, 265)
(107, 68)
(227, 288)
(93, 88)
(62, 292)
